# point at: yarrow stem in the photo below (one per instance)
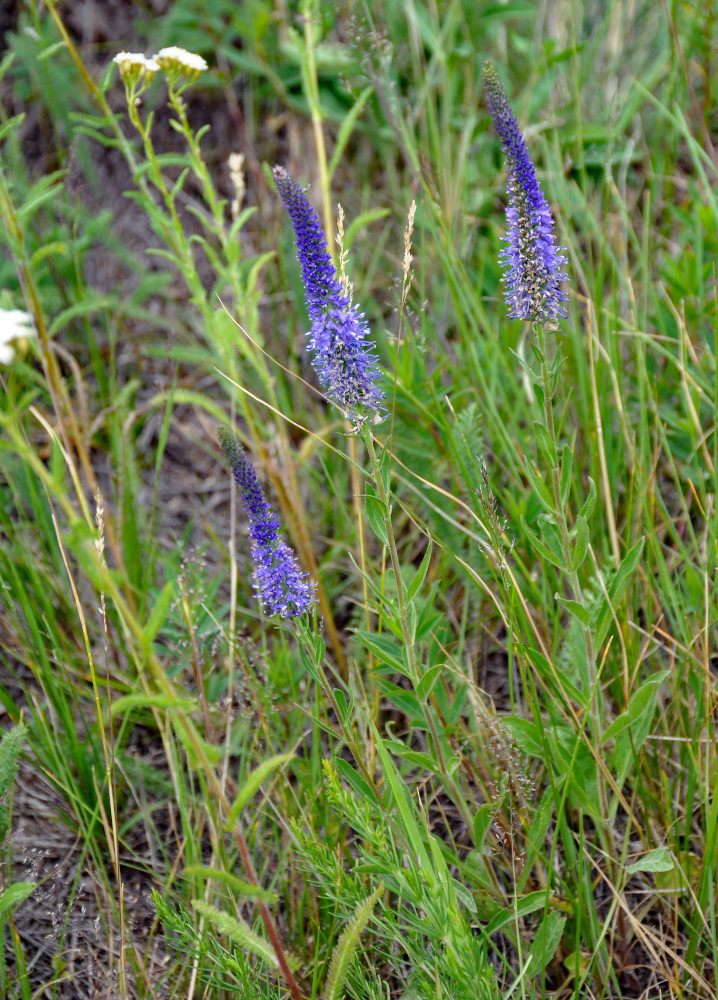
(531, 259)
(279, 583)
(339, 339)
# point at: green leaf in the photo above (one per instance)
(252, 784)
(537, 833)
(581, 542)
(416, 583)
(590, 501)
(546, 941)
(309, 665)
(51, 50)
(357, 780)
(639, 711)
(482, 823)
(546, 446)
(375, 513)
(122, 706)
(658, 860)
(385, 469)
(10, 749)
(11, 124)
(405, 701)
(57, 247)
(429, 679)
(566, 470)
(616, 591)
(540, 546)
(397, 789)
(542, 490)
(238, 885)
(576, 609)
(522, 908)
(342, 705)
(159, 613)
(386, 649)
(552, 539)
(345, 130)
(416, 757)
(372, 215)
(525, 735)
(15, 894)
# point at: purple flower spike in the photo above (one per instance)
(339, 340)
(531, 259)
(278, 581)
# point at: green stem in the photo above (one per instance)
(572, 577)
(311, 14)
(305, 638)
(406, 631)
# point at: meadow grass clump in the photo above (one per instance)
(412, 691)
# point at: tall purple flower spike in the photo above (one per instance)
(339, 340)
(278, 581)
(531, 259)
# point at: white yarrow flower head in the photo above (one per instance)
(15, 326)
(135, 67)
(178, 63)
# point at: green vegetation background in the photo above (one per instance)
(497, 822)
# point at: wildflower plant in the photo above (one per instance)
(339, 340)
(281, 586)
(532, 260)
(136, 72)
(534, 293)
(182, 67)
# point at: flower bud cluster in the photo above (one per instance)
(180, 66)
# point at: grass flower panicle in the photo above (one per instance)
(278, 581)
(339, 339)
(531, 258)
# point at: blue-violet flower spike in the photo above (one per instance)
(278, 581)
(339, 340)
(531, 259)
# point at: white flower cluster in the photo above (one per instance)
(14, 325)
(175, 58)
(134, 66)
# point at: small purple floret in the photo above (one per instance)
(340, 339)
(278, 581)
(531, 259)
